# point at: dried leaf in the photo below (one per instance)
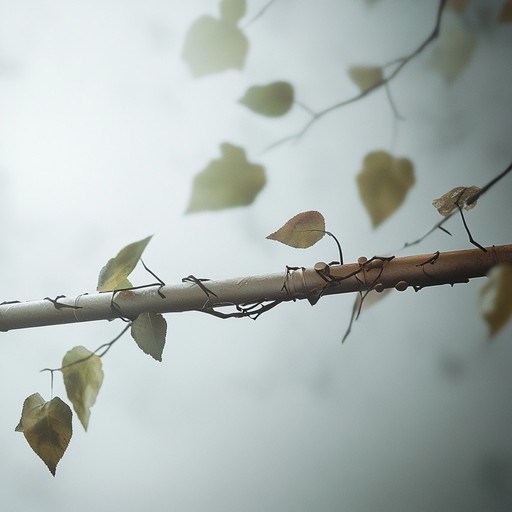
(83, 377)
(115, 272)
(366, 77)
(47, 428)
(149, 331)
(496, 297)
(506, 12)
(271, 100)
(228, 182)
(456, 196)
(383, 184)
(301, 231)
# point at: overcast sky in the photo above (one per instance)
(102, 129)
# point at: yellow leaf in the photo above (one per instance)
(456, 196)
(496, 297)
(214, 45)
(113, 275)
(271, 100)
(366, 77)
(383, 184)
(47, 428)
(301, 231)
(83, 377)
(506, 12)
(228, 182)
(149, 331)
(453, 52)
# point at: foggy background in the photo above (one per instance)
(102, 129)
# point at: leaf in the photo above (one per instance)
(457, 5)
(366, 77)
(47, 428)
(214, 45)
(496, 297)
(506, 12)
(271, 100)
(232, 10)
(453, 53)
(83, 377)
(228, 182)
(456, 196)
(149, 331)
(383, 184)
(117, 269)
(301, 231)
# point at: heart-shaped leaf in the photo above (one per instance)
(83, 377)
(366, 77)
(271, 100)
(47, 428)
(301, 231)
(149, 331)
(496, 297)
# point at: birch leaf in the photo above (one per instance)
(226, 183)
(271, 100)
(496, 297)
(149, 331)
(83, 380)
(301, 231)
(366, 77)
(456, 196)
(47, 428)
(383, 184)
(117, 269)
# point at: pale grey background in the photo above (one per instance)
(102, 129)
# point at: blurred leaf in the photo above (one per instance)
(82, 380)
(456, 196)
(149, 331)
(506, 12)
(383, 184)
(47, 428)
(453, 51)
(496, 297)
(226, 183)
(301, 231)
(365, 77)
(457, 5)
(232, 10)
(271, 100)
(213, 45)
(117, 269)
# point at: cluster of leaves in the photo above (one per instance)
(47, 425)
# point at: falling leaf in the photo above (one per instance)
(506, 12)
(496, 297)
(83, 377)
(271, 100)
(149, 331)
(228, 182)
(457, 5)
(47, 428)
(232, 10)
(366, 77)
(117, 269)
(383, 184)
(453, 52)
(456, 196)
(301, 231)
(214, 45)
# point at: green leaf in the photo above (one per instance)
(117, 269)
(214, 45)
(383, 184)
(456, 196)
(83, 377)
(301, 231)
(47, 428)
(149, 331)
(226, 183)
(496, 297)
(271, 100)
(366, 77)
(232, 10)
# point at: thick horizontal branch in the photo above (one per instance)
(309, 283)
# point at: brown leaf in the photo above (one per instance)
(496, 298)
(366, 77)
(506, 12)
(456, 196)
(301, 231)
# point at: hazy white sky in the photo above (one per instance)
(102, 129)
